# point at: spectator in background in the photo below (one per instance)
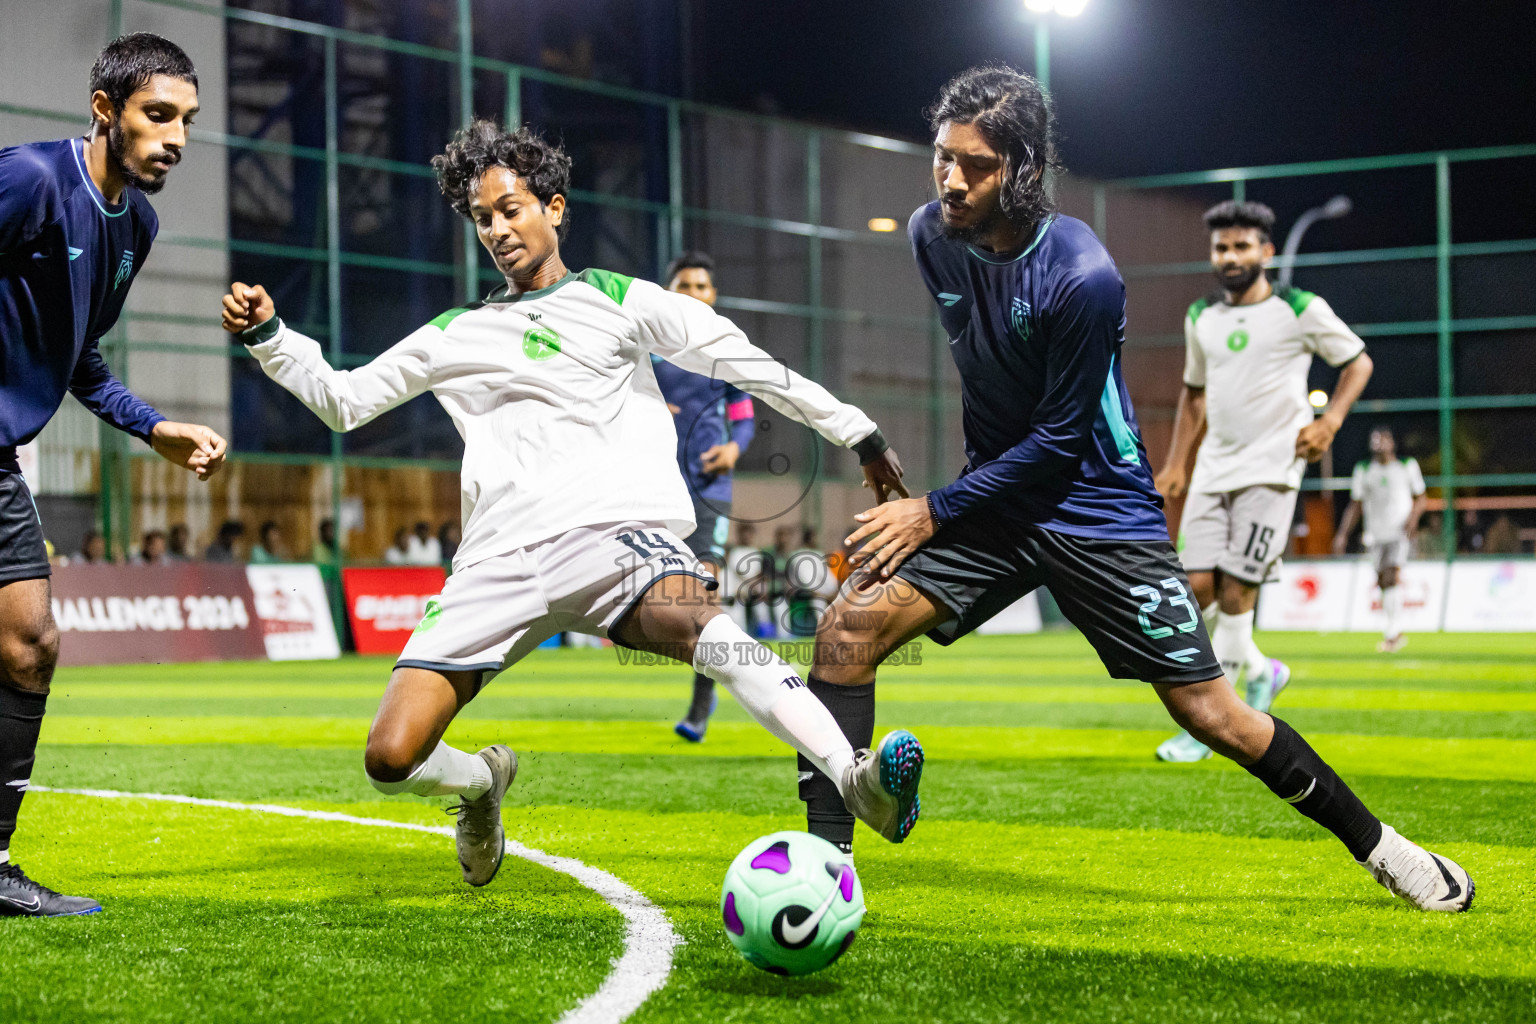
(269, 545)
(223, 547)
(152, 549)
(422, 548)
(324, 550)
(398, 553)
(448, 538)
(1471, 539)
(178, 543)
(1430, 540)
(93, 550)
(1502, 538)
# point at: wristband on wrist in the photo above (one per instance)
(871, 448)
(934, 511)
(262, 332)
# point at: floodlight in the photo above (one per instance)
(1318, 399)
(1039, 6)
(882, 224)
(1070, 8)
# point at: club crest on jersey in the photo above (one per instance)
(541, 343)
(1018, 317)
(124, 268)
(1237, 340)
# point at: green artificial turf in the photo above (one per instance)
(1058, 874)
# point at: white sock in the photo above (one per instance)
(5, 856)
(445, 772)
(1209, 613)
(1232, 638)
(1392, 606)
(756, 677)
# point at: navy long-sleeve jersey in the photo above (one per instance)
(67, 259)
(713, 412)
(1050, 435)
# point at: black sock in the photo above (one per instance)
(853, 708)
(1293, 772)
(21, 719)
(703, 696)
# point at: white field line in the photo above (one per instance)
(648, 936)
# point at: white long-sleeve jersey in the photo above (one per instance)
(554, 396)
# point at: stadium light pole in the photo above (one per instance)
(1042, 10)
(1333, 209)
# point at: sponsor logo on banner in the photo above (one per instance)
(1309, 596)
(1497, 596)
(386, 605)
(113, 614)
(294, 612)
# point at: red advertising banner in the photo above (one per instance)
(385, 605)
(114, 614)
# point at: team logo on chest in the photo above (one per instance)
(541, 343)
(124, 268)
(1237, 340)
(1018, 318)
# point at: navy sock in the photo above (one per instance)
(703, 697)
(1293, 772)
(853, 708)
(21, 719)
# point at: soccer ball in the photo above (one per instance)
(791, 903)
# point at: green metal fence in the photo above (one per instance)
(932, 410)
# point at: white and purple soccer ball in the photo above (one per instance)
(791, 903)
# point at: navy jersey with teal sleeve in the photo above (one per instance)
(67, 259)
(712, 412)
(1050, 436)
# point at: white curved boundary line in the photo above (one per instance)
(648, 936)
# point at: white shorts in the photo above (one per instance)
(491, 614)
(1242, 533)
(1390, 554)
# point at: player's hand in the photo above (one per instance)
(721, 458)
(883, 477)
(1316, 438)
(1173, 482)
(246, 306)
(889, 534)
(190, 446)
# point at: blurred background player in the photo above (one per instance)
(1248, 348)
(714, 427)
(1390, 493)
(75, 228)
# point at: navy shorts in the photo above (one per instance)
(23, 554)
(1130, 598)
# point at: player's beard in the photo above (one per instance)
(117, 152)
(977, 233)
(1240, 283)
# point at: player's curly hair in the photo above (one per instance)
(1235, 214)
(1014, 115)
(482, 144)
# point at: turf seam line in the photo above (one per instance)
(649, 939)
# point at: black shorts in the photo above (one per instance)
(1130, 598)
(23, 555)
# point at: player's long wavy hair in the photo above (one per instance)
(1012, 112)
(482, 144)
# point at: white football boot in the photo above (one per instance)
(480, 837)
(1427, 881)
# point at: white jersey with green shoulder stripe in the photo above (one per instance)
(1252, 362)
(1385, 491)
(554, 396)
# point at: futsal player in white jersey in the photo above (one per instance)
(1247, 352)
(573, 505)
(1390, 493)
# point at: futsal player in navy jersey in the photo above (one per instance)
(75, 228)
(715, 423)
(1056, 490)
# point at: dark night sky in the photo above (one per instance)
(1147, 86)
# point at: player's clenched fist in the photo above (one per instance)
(245, 306)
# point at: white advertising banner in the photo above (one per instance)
(1023, 616)
(1312, 596)
(1491, 595)
(295, 615)
(1422, 586)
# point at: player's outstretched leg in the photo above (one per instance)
(406, 754)
(673, 619)
(1279, 757)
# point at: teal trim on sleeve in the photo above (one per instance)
(262, 332)
(615, 286)
(1114, 415)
